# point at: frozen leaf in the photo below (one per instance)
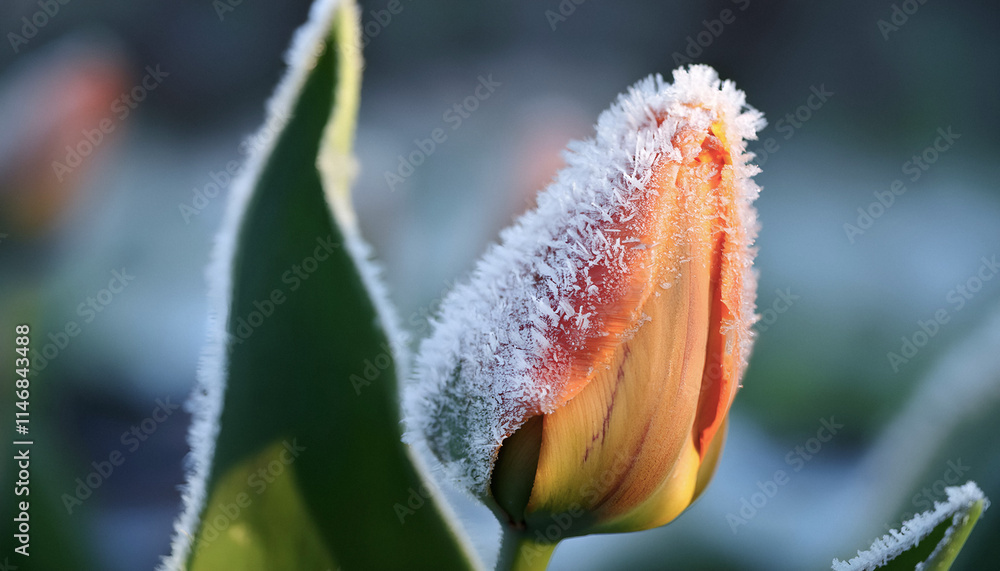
(901, 548)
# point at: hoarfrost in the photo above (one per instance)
(913, 530)
(206, 402)
(537, 285)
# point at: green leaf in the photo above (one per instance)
(930, 541)
(272, 529)
(948, 549)
(309, 471)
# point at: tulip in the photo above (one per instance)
(579, 381)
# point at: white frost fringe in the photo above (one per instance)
(206, 402)
(915, 529)
(473, 380)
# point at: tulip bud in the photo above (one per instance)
(580, 379)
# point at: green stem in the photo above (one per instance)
(519, 552)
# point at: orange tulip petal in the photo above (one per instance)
(619, 307)
(621, 437)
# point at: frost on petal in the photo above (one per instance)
(913, 530)
(545, 308)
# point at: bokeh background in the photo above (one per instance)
(836, 301)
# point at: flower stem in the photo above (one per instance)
(518, 552)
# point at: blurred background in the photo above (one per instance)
(123, 122)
